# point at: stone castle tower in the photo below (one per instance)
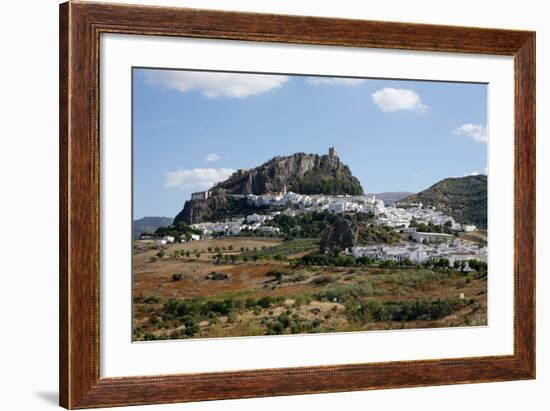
(332, 152)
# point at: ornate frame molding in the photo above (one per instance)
(81, 24)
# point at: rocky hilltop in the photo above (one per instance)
(214, 207)
(300, 173)
(463, 198)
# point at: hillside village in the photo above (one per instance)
(418, 247)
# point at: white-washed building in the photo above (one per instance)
(420, 237)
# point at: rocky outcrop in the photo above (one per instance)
(196, 211)
(301, 173)
(338, 235)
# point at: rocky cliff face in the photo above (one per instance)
(349, 230)
(196, 211)
(301, 173)
(338, 235)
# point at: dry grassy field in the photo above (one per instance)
(195, 290)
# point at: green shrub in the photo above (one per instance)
(323, 280)
(265, 302)
(277, 274)
(191, 326)
(402, 311)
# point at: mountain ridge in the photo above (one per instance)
(463, 198)
(390, 197)
(149, 225)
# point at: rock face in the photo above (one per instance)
(300, 173)
(196, 211)
(463, 198)
(338, 235)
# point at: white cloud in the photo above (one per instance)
(318, 81)
(212, 158)
(213, 85)
(395, 99)
(475, 131)
(477, 173)
(196, 179)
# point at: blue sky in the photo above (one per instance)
(192, 129)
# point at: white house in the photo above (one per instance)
(269, 229)
(396, 254)
(431, 237)
(234, 230)
(374, 252)
(459, 257)
(257, 218)
(418, 255)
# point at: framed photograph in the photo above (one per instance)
(260, 205)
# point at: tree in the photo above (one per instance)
(277, 274)
(191, 326)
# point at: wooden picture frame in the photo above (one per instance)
(80, 27)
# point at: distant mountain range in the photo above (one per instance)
(463, 198)
(149, 225)
(391, 196)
